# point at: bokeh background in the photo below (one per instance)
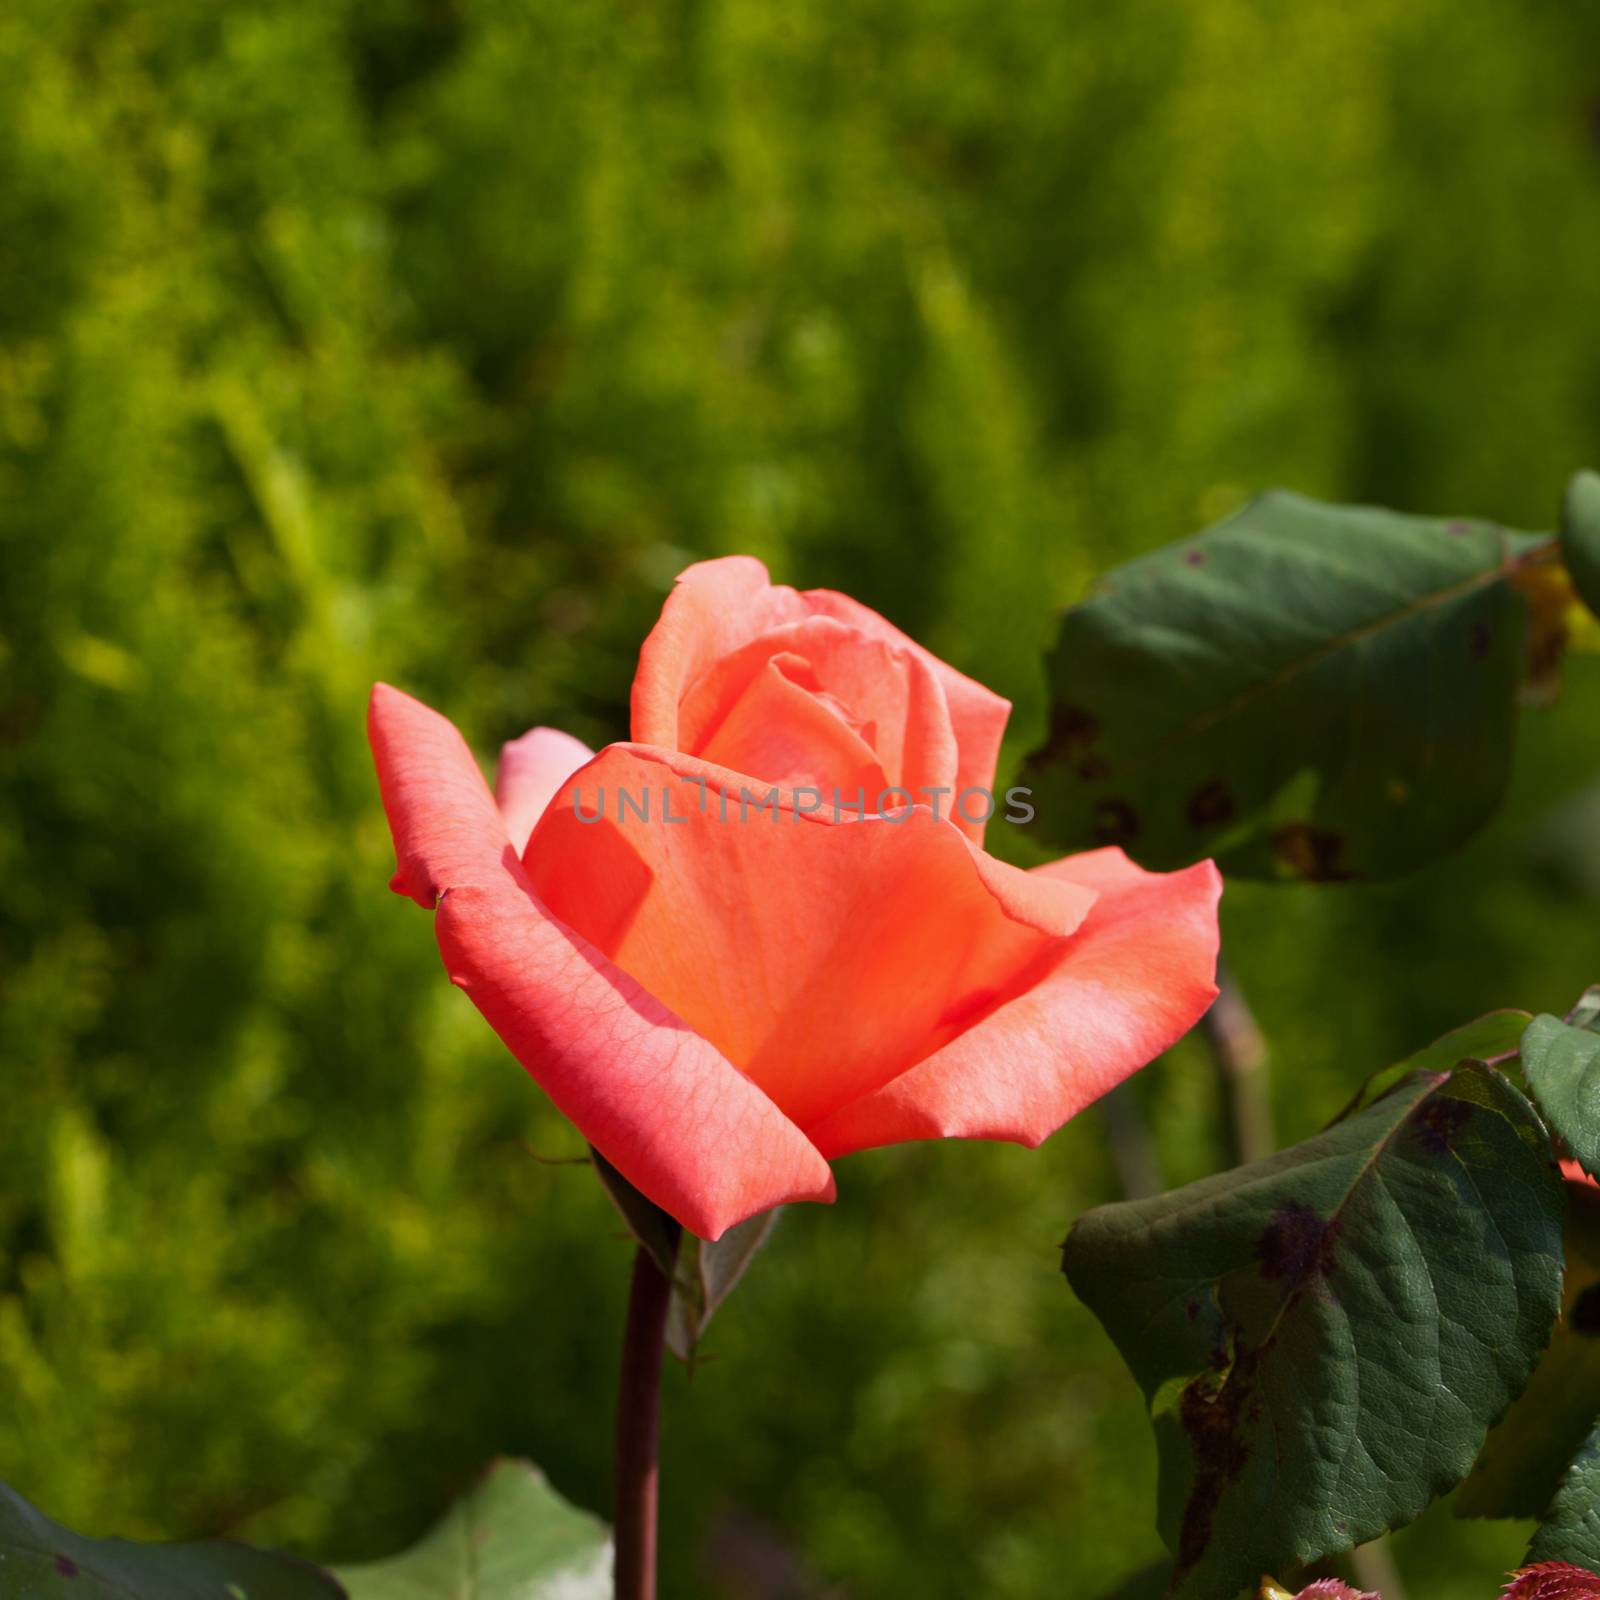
(427, 339)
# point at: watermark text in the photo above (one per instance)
(677, 803)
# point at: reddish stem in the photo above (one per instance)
(639, 1429)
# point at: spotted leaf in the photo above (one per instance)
(1324, 1338)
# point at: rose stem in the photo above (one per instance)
(639, 1428)
(1133, 1151)
(1241, 1057)
(1373, 1568)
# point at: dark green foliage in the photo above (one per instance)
(1562, 1065)
(1492, 1038)
(1305, 690)
(1523, 1459)
(1571, 1529)
(1325, 1337)
(426, 339)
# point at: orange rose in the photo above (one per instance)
(765, 933)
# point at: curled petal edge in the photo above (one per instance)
(679, 1121)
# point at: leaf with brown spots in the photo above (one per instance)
(1305, 691)
(1324, 1338)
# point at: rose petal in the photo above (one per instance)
(531, 770)
(821, 957)
(876, 715)
(713, 609)
(717, 607)
(978, 715)
(1137, 976)
(657, 1100)
(780, 726)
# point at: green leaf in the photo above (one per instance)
(1571, 1528)
(1324, 1338)
(703, 1272)
(40, 1560)
(1585, 1012)
(1520, 1466)
(1562, 1066)
(1304, 690)
(650, 1226)
(708, 1274)
(1492, 1038)
(1522, 1460)
(512, 1538)
(1580, 536)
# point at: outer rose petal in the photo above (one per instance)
(659, 1102)
(821, 957)
(531, 770)
(1137, 976)
(718, 606)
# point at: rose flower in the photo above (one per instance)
(765, 932)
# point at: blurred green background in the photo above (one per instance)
(427, 339)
